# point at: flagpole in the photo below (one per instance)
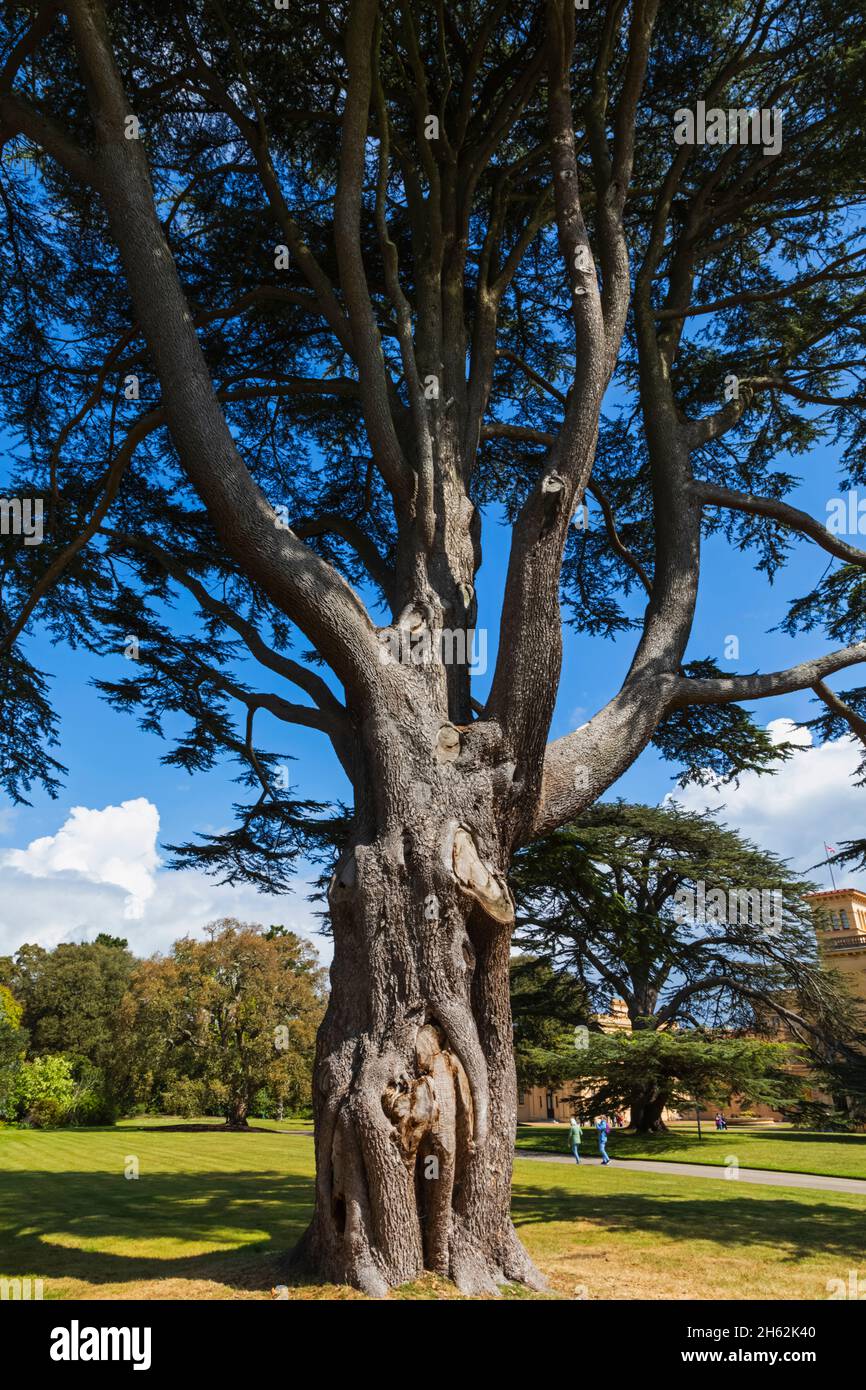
(830, 866)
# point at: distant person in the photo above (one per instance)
(575, 1135)
(602, 1129)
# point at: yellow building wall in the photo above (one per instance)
(536, 1103)
(840, 925)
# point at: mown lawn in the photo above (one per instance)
(783, 1149)
(212, 1213)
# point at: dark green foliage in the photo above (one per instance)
(546, 1005)
(679, 1070)
(716, 742)
(71, 998)
(603, 901)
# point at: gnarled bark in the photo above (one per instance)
(414, 1088)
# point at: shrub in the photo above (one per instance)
(45, 1091)
(263, 1106)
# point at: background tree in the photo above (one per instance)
(290, 297)
(71, 998)
(236, 1014)
(843, 1079)
(12, 1043)
(546, 1006)
(606, 901)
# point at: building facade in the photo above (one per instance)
(840, 925)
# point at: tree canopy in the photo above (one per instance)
(690, 924)
(623, 899)
(225, 1018)
(546, 1006)
(71, 994)
(680, 1070)
(364, 221)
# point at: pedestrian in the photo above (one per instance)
(602, 1130)
(575, 1134)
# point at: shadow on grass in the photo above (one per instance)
(803, 1136)
(51, 1225)
(796, 1229)
(215, 1128)
(57, 1225)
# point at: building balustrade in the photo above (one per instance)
(846, 943)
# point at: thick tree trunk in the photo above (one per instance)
(414, 1089)
(646, 1112)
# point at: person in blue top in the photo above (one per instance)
(575, 1134)
(601, 1127)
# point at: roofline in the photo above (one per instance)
(837, 893)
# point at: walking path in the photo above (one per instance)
(763, 1176)
(708, 1170)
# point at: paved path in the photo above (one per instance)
(708, 1170)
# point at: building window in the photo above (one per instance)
(834, 925)
(521, 1097)
(843, 919)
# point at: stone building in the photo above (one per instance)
(840, 925)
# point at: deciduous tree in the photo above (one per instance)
(237, 1012)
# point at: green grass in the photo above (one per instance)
(781, 1149)
(212, 1214)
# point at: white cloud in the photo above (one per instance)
(809, 800)
(101, 872)
(116, 845)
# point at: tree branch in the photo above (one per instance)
(347, 235)
(350, 531)
(709, 494)
(310, 591)
(855, 721)
(719, 690)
